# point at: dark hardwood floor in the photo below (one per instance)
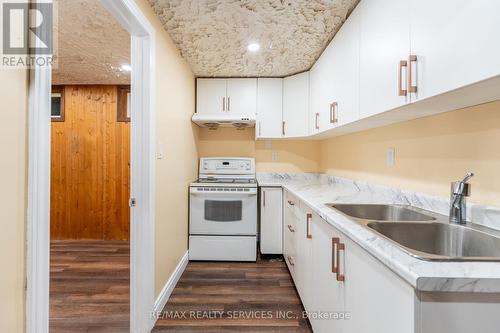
(89, 286)
(234, 297)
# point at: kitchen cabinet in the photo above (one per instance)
(290, 226)
(296, 105)
(328, 291)
(227, 96)
(210, 96)
(269, 108)
(451, 54)
(384, 49)
(334, 80)
(303, 256)
(271, 220)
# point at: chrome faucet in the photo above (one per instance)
(459, 191)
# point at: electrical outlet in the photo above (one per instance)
(390, 158)
(268, 144)
(160, 151)
(274, 156)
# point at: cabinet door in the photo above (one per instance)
(451, 53)
(211, 96)
(328, 292)
(321, 91)
(269, 108)
(296, 105)
(290, 226)
(384, 42)
(377, 299)
(271, 222)
(242, 97)
(345, 74)
(303, 255)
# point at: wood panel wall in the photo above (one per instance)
(90, 167)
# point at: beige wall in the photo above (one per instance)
(13, 132)
(293, 156)
(430, 153)
(175, 95)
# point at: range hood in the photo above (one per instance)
(226, 120)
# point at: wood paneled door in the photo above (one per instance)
(90, 167)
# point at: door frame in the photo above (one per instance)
(142, 184)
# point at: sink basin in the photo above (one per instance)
(441, 241)
(380, 212)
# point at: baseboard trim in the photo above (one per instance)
(171, 283)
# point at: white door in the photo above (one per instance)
(384, 43)
(344, 106)
(271, 222)
(304, 256)
(328, 291)
(269, 108)
(376, 298)
(456, 43)
(211, 96)
(296, 105)
(242, 97)
(321, 91)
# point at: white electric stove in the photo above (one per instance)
(223, 210)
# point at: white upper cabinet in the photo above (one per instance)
(227, 96)
(210, 96)
(242, 97)
(344, 107)
(269, 108)
(456, 43)
(384, 44)
(296, 105)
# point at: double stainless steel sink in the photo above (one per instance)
(426, 235)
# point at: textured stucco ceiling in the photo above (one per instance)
(91, 45)
(212, 35)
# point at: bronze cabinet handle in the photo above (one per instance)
(333, 113)
(411, 88)
(264, 198)
(308, 225)
(317, 121)
(229, 104)
(290, 202)
(223, 103)
(337, 246)
(290, 260)
(283, 128)
(290, 228)
(402, 63)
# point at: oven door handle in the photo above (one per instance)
(223, 193)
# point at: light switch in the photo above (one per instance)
(390, 156)
(274, 156)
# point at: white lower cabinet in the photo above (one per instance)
(271, 225)
(342, 287)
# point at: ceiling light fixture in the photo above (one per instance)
(253, 47)
(126, 68)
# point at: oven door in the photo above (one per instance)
(222, 211)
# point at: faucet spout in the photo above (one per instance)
(458, 206)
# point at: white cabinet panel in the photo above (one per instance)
(269, 108)
(296, 105)
(242, 97)
(304, 256)
(210, 96)
(271, 222)
(384, 42)
(376, 298)
(328, 292)
(456, 43)
(290, 226)
(345, 77)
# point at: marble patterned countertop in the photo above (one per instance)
(315, 190)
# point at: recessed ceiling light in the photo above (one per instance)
(253, 47)
(126, 68)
